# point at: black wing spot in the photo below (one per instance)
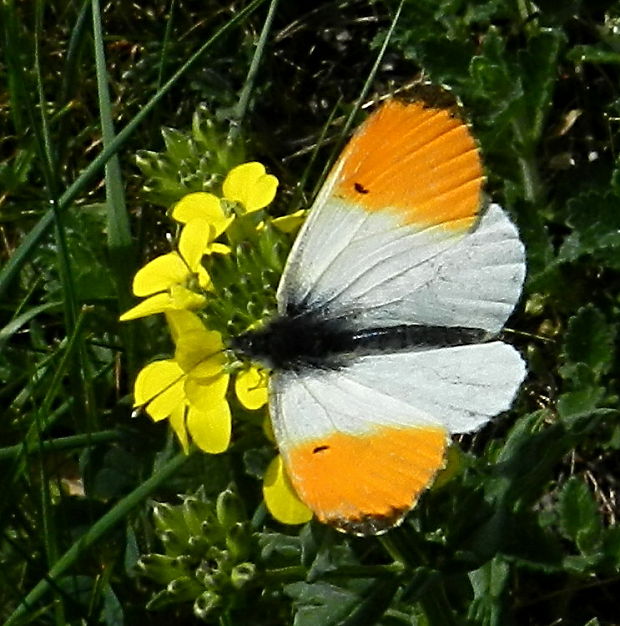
(360, 188)
(320, 449)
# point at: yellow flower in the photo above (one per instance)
(280, 497)
(170, 279)
(251, 388)
(205, 206)
(189, 390)
(249, 185)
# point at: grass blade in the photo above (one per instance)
(32, 239)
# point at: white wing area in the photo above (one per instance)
(367, 268)
(458, 388)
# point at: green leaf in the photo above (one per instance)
(489, 583)
(611, 548)
(279, 550)
(132, 552)
(78, 587)
(112, 612)
(493, 77)
(324, 604)
(116, 477)
(579, 564)
(590, 340)
(527, 459)
(599, 53)
(256, 460)
(579, 402)
(538, 70)
(517, 535)
(595, 220)
(579, 518)
(554, 12)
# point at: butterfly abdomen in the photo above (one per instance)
(308, 341)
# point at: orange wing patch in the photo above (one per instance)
(365, 484)
(420, 162)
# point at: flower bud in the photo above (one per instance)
(162, 568)
(239, 541)
(184, 588)
(229, 509)
(206, 603)
(242, 574)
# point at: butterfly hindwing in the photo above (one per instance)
(360, 443)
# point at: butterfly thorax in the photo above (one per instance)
(310, 341)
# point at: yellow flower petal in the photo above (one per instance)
(193, 242)
(251, 388)
(289, 223)
(204, 280)
(155, 304)
(280, 498)
(161, 383)
(204, 206)
(249, 185)
(155, 378)
(218, 248)
(210, 430)
(184, 298)
(209, 367)
(268, 429)
(177, 422)
(200, 353)
(453, 467)
(163, 405)
(181, 322)
(160, 274)
(203, 394)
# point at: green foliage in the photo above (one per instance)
(195, 161)
(522, 530)
(207, 550)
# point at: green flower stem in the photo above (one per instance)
(436, 607)
(118, 231)
(527, 164)
(113, 517)
(299, 572)
(246, 92)
(373, 72)
(64, 443)
(363, 93)
(530, 180)
(402, 545)
(165, 43)
(23, 252)
(120, 245)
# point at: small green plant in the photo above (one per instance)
(522, 529)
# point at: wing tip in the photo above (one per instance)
(401, 142)
(369, 525)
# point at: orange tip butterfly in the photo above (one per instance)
(389, 311)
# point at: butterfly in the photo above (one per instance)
(392, 299)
